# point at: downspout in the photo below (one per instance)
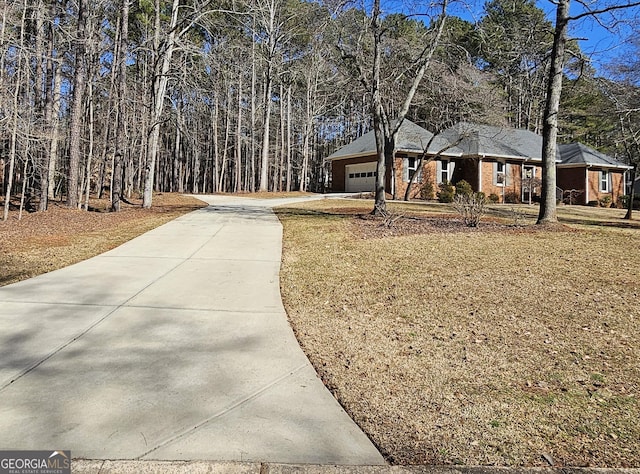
(586, 186)
(480, 172)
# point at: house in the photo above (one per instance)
(499, 161)
(495, 160)
(586, 175)
(353, 167)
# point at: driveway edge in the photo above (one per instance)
(88, 466)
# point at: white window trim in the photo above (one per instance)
(496, 175)
(605, 176)
(439, 169)
(406, 175)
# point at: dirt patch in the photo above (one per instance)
(368, 226)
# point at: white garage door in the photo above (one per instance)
(360, 178)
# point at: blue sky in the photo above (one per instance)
(599, 43)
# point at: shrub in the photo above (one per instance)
(512, 198)
(427, 191)
(605, 201)
(593, 203)
(494, 198)
(463, 188)
(470, 207)
(446, 193)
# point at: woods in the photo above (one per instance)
(120, 99)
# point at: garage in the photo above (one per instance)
(360, 177)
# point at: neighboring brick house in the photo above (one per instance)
(586, 175)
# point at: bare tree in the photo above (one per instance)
(547, 214)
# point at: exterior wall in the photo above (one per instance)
(616, 182)
(514, 184)
(575, 178)
(572, 178)
(428, 173)
(338, 171)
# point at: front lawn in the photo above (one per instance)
(502, 345)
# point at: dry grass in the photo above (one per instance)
(45, 241)
(487, 347)
(268, 194)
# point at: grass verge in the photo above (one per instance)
(44, 241)
(499, 346)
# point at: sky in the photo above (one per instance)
(599, 43)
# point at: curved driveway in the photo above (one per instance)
(175, 346)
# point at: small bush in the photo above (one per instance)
(512, 198)
(605, 201)
(470, 207)
(427, 190)
(593, 203)
(463, 188)
(494, 198)
(446, 193)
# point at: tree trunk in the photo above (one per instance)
(289, 138)
(14, 120)
(547, 213)
(238, 186)
(91, 147)
(55, 132)
(159, 90)
(75, 133)
(264, 162)
(633, 173)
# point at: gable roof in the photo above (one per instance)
(411, 138)
(578, 155)
(497, 142)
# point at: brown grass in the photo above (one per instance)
(488, 347)
(44, 241)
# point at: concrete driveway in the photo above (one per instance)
(173, 346)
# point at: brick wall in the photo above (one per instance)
(338, 171)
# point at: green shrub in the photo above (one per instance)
(494, 198)
(463, 188)
(605, 201)
(427, 191)
(446, 192)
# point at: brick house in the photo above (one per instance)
(353, 167)
(586, 175)
(501, 161)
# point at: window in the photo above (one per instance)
(528, 172)
(411, 165)
(444, 172)
(604, 181)
(500, 176)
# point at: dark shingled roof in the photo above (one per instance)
(492, 141)
(411, 138)
(577, 154)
